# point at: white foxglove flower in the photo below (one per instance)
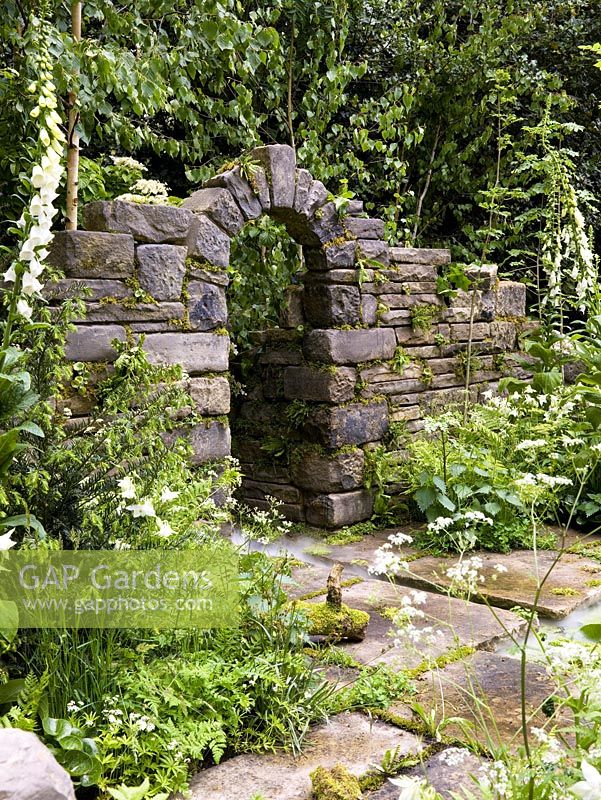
(167, 494)
(24, 309)
(6, 542)
(31, 285)
(165, 529)
(590, 787)
(10, 276)
(127, 488)
(145, 509)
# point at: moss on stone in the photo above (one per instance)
(348, 623)
(334, 784)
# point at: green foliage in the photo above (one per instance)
(423, 317)
(374, 688)
(400, 360)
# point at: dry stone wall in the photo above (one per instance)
(365, 341)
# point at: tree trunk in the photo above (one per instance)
(72, 135)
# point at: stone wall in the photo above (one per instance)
(364, 342)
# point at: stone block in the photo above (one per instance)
(419, 255)
(369, 309)
(310, 194)
(217, 276)
(161, 269)
(141, 312)
(364, 228)
(279, 163)
(408, 337)
(92, 254)
(333, 257)
(324, 472)
(207, 242)
(195, 352)
(354, 208)
(411, 300)
(511, 299)
(331, 306)
(281, 356)
(395, 318)
(219, 205)
(503, 335)
(483, 277)
(291, 315)
(349, 347)
(93, 342)
(241, 190)
(325, 224)
(330, 385)
(145, 222)
(262, 490)
(29, 771)
(345, 276)
(463, 331)
(85, 289)
(211, 395)
(336, 510)
(207, 306)
(374, 249)
(356, 423)
(211, 441)
(293, 512)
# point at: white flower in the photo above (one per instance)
(24, 309)
(530, 444)
(127, 488)
(167, 495)
(411, 788)
(6, 542)
(399, 539)
(10, 276)
(165, 529)
(31, 285)
(590, 787)
(144, 509)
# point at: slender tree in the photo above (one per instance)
(72, 133)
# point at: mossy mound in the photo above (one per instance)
(325, 620)
(334, 784)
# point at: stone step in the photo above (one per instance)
(351, 739)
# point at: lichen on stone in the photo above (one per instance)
(348, 623)
(334, 784)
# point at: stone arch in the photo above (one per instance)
(351, 320)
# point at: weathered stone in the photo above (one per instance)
(304, 179)
(354, 208)
(405, 414)
(291, 315)
(450, 772)
(165, 326)
(161, 269)
(344, 276)
(295, 512)
(308, 200)
(217, 276)
(92, 254)
(218, 204)
(29, 771)
(407, 336)
(332, 257)
(145, 222)
(141, 312)
(211, 395)
(330, 306)
(324, 472)
(374, 249)
(262, 490)
(85, 289)
(279, 162)
(395, 318)
(419, 255)
(476, 305)
(207, 306)
(351, 739)
(369, 309)
(268, 473)
(336, 510)
(482, 277)
(463, 332)
(349, 347)
(325, 224)
(364, 228)
(241, 190)
(282, 356)
(411, 300)
(93, 342)
(211, 441)
(207, 242)
(330, 385)
(356, 423)
(195, 352)
(511, 299)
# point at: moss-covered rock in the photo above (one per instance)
(334, 784)
(346, 623)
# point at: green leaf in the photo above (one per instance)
(10, 691)
(57, 728)
(592, 631)
(446, 502)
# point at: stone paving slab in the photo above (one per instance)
(448, 771)
(570, 585)
(485, 690)
(458, 623)
(351, 739)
